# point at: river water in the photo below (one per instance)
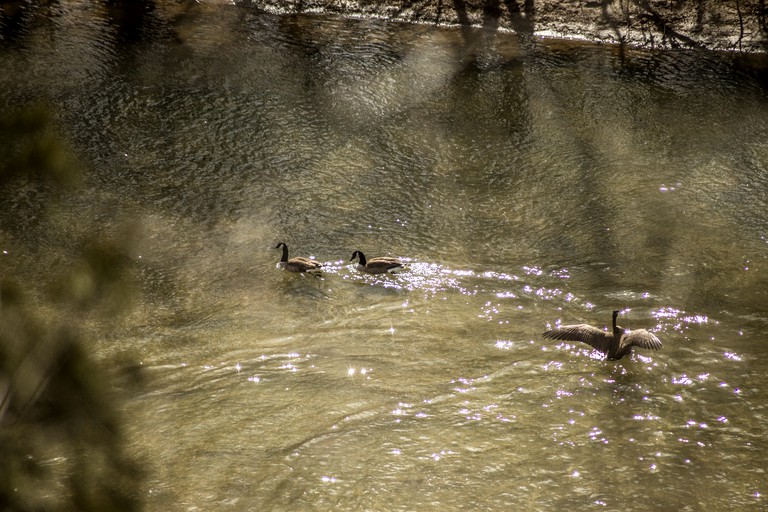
(527, 182)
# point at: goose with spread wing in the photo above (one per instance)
(614, 345)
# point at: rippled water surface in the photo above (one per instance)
(528, 183)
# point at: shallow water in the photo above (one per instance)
(527, 182)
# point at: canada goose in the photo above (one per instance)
(381, 265)
(614, 345)
(298, 263)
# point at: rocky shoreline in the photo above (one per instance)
(727, 25)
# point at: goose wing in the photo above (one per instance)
(386, 259)
(596, 338)
(641, 338)
(305, 261)
(301, 264)
(383, 264)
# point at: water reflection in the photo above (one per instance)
(524, 181)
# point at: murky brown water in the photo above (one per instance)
(529, 182)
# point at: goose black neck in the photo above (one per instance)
(615, 316)
(361, 256)
(285, 252)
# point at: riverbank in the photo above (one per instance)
(731, 25)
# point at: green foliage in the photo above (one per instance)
(31, 148)
(61, 444)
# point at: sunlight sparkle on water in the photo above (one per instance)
(439, 455)
(546, 293)
(471, 416)
(499, 276)
(401, 407)
(557, 365)
(668, 188)
(429, 277)
(683, 380)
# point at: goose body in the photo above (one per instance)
(298, 263)
(382, 265)
(614, 345)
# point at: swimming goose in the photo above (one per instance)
(297, 264)
(614, 345)
(380, 265)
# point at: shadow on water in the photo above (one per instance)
(131, 18)
(14, 18)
